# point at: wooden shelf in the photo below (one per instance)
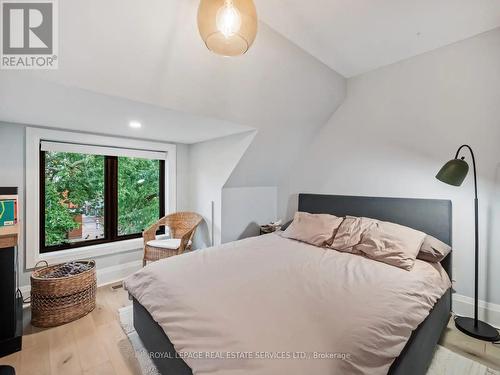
(8, 236)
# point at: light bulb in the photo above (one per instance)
(228, 19)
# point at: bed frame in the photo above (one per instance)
(428, 215)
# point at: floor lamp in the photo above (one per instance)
(454, 173)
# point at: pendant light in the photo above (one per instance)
(228, 27)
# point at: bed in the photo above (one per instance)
(430, 216)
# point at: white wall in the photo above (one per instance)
(12, 173)
(396, 128)
(290, 100)
(210, 165)
(287, 105)
(260, 201)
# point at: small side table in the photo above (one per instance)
(266, 229)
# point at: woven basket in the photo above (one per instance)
(55, 301)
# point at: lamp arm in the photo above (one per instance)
(473, 164)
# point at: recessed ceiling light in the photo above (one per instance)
(135, 124)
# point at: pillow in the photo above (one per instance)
(350, 232)
(433, 250)
(382, 241)
(314, 229)
(391, 243)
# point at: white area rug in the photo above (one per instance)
(127, 322)
(445, 361)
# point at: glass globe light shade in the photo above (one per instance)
(228, 27)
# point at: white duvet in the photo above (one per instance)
(269, 305)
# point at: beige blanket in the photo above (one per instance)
(270, 306)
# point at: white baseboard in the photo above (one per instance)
(107, 275)
(487, 311)
(116, 273)
(25, 290)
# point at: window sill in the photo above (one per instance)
(86, 252)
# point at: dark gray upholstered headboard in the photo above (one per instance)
(431, 216)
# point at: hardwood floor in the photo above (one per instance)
(477, 350)
(96, 344)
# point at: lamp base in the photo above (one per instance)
(481, 331)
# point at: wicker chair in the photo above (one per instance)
(182, 226)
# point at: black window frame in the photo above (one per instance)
(110, 207)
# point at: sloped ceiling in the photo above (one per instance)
(33, 101)
(355, 36)
(150, 53)
(148, 56)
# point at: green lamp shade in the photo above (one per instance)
(453, 172)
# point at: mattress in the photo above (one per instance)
(270, 305)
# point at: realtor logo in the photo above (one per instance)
(29, 34)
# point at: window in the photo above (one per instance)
(92, 195)
(73, 198)
(138, 194)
